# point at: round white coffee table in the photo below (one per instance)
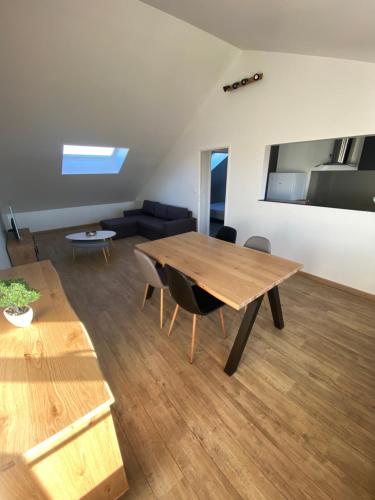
(98, 240)
(99, 235)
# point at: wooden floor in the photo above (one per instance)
(296, 421)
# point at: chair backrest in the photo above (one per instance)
(148, 269)
(227, 233)
(182, 290)
(259, 243)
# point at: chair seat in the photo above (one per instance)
(193, 299)
(206, 302)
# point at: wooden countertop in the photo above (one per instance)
(49, 374)
(232, 273)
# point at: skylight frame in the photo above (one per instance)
(93, 161)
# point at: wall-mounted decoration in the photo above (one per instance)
(243, 82)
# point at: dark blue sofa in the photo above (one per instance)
(153, 221)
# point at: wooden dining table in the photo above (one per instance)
(236, 275)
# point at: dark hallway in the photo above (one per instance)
(219, 164)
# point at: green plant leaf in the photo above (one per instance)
(17, 294)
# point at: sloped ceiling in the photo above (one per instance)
(334, 28)
(95, 72)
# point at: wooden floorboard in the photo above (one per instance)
(296, 421)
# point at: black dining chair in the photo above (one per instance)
(227, 233)
(193, 299)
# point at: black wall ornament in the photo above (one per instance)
(243, 82)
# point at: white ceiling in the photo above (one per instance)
(94, 72)
(334, 28)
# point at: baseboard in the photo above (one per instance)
(339, 286)
(70, 228)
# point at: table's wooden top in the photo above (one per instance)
(49, 374)
(232, 273)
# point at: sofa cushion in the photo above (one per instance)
(111, 223)
(122, 226)
(140, 218)
(161, 211)
(152, 223)
(177, 212)
(149, 207)
(133, 212)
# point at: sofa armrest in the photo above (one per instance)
(136, 211)
(179, 226)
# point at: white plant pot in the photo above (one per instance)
(21, 320)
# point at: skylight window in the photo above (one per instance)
(87, 150)
(217, 158)
(81, 160)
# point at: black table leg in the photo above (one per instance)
(242, 336)
(150, 291)
(277, 313)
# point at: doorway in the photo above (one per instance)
(214, 170)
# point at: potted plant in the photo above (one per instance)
(15, 297)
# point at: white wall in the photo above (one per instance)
(75, 216)
(300, 98)
(95, 72)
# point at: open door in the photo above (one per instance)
(214, 167)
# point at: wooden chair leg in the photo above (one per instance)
(105, 255)
(221, 314)
(192, 351)
(161, 307)
(145, 295)
(173, 319)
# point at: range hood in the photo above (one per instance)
(341, 150)
(346, 151)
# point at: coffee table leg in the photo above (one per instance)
(277, 313)
(242, 336)
(105, 255)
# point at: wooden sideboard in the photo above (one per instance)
(57, 438)
(24, 251)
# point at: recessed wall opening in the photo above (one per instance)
(82, 160)
(214, 166)
(336, 173)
